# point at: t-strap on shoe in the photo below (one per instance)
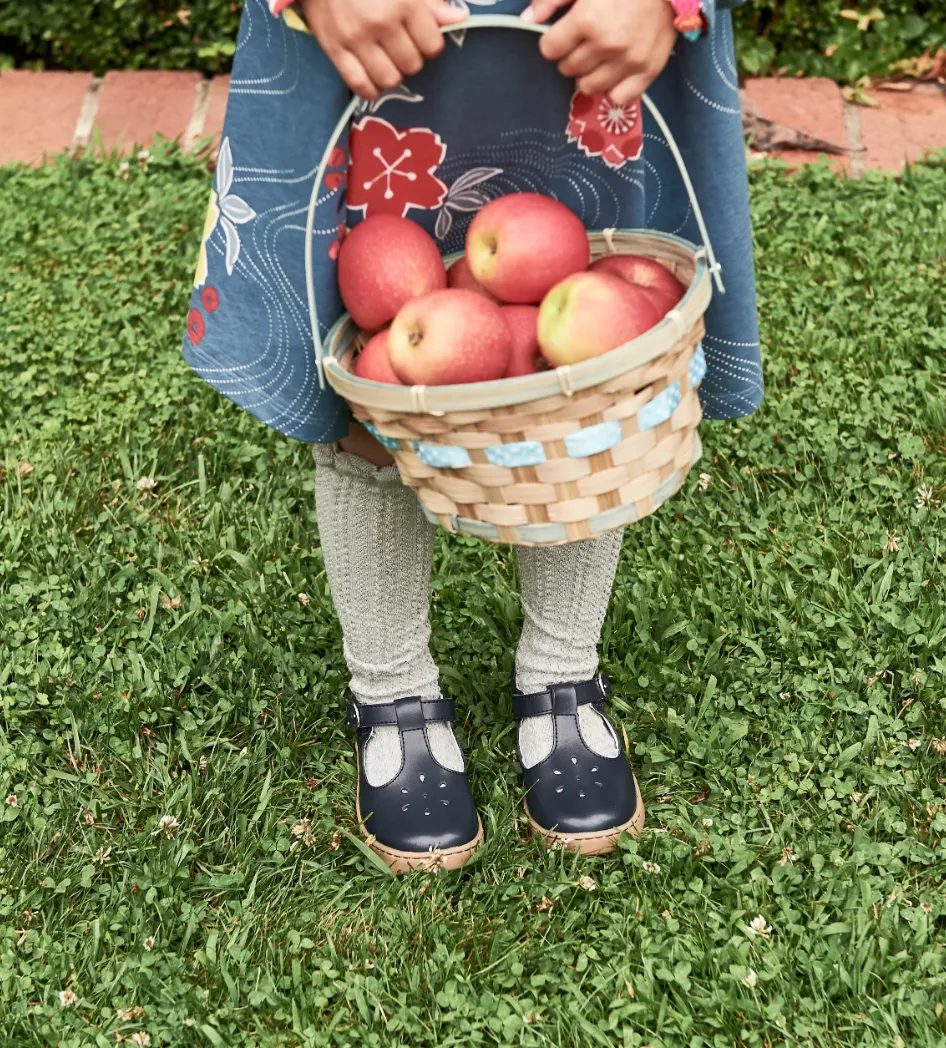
(424, 817)
(574, 797)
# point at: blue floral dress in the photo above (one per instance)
(489, 116)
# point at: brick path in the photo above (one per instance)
(45, 113)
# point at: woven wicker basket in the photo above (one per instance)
(560, 456)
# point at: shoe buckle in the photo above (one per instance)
(354, 716)
(604, 685)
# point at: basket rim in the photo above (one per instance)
(567, 379)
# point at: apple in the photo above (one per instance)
(449, 336)
(663, 302)
(384, 262)
(592, 313)
(521, 245)
(459, 275)
(644, 271)
(526, 357)
(374, 361)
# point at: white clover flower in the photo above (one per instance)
(651, 867)
(587, 883)
(925, 498)
(302, 831)
(758, 926)
(169, 826)
(705, 480)
(11, 801)
(708, 821)
(67, 998)
(149, 943)
(146, 484)
(750, 980)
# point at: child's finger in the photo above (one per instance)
(403, 52)
(355, 76)
(424, 31)
(447, 14)
(630, 89)
(542, 10)
(583, 60)
(602, 80)
(378, 65)
(563, 38)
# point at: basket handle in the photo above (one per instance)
(480, 22)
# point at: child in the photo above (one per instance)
(489, 111)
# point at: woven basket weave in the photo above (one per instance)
(560, 456)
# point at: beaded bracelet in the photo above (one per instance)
(690, 22)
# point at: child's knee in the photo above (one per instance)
(361, 443)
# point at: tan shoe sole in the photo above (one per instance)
(599, 842)
(404, 861)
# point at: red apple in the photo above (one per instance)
(592, 313)
(661, 300)
(448, 337)
(526, 357)
(521, 245)
(374, 361)
(644, 271)
(459, 275)
(384, 262)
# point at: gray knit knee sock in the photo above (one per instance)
(378, 549)
(565, 592)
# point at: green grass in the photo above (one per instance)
(776, 642)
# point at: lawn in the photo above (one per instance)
(175, 859)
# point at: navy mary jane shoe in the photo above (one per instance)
(574, 797)
(425, 816)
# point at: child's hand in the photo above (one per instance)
(612, 48)
(374, 44)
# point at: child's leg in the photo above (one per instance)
(580, 790)
(378, 549)
(565, 592)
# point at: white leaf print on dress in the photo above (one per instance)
(401, 93)
(232, 210)
(461, 196)
(444, 224)
(464, 5)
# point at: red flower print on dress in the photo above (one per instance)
(336, 244)
(334, 179)
(392, 171)
(602, 128)
(210, 299)
(195, 326)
